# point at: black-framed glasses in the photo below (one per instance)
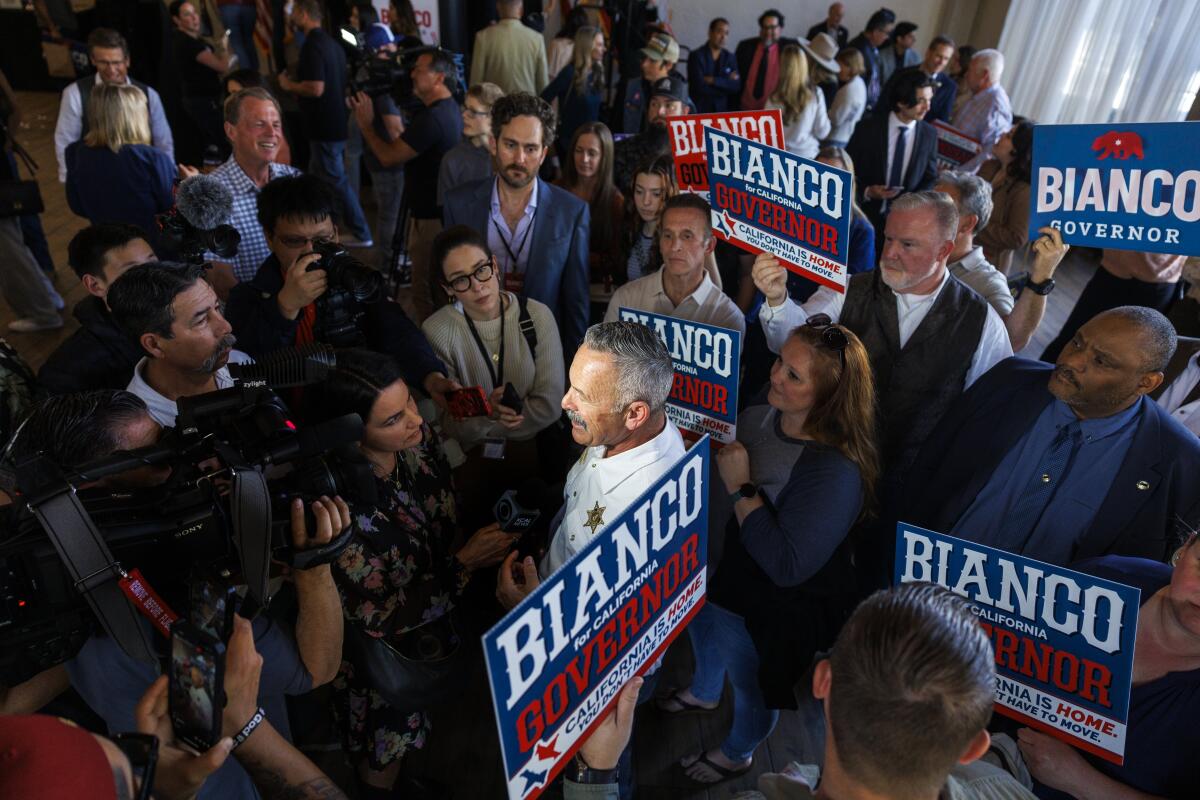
(301, 241)
(832, 336)
(482, 274)
(142, 751)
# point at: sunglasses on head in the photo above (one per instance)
(831, 335)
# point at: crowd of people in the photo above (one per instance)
(516, 213)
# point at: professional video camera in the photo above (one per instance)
(378, 76)
(350, 285)
(196, 223)
(236, 460)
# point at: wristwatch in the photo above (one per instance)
(744, 492)
(580, 772)
(1044, 288)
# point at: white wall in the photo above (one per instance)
(689, 18)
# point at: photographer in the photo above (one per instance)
(48, 758)
(291, 299)
(172, 312)
(72, 430)
(99, 355)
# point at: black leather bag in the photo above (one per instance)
(415, 670)
(18, 198)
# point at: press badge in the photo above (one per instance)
(494, 448)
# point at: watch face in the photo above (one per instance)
(748, 490)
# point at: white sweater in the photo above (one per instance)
(803, 137)
(847, 109)
(540, 383)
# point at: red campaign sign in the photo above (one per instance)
(687, 140)
(954, 148)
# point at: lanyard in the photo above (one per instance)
(497, 375)
(507, 242)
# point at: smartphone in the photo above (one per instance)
(469, 402)
(196, 696)
(212, 602)
(511, 399)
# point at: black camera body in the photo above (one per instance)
(191, 243)
(201, 514)
(351, 286)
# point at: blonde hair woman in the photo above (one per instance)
(579, 86)
(113, 174)
(805, 121)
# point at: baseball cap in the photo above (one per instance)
(661, 47)
(379, 35)
(671, 86)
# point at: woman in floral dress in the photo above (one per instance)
(399, 573)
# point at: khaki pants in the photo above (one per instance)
(419, 243)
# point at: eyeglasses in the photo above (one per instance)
(300, 241)
(832, 336)
(142, 751)
(482, 274)
(120, 63)
(472, 112)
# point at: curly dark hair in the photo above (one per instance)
(1021, 167)
(523, 104)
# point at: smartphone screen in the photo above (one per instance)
(195, 696)
(212, 604)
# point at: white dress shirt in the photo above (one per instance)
(911, 309)
(894, 127)
(1171, 400)
(163, 410)
(599, 489)
(69, 128)
(707, 304)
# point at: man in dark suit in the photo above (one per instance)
(1066, 462)
(758, 60)
(895, 152)
(879, 28)
(538, 232)
(937, 57)
(832, 26)
(1179, 394)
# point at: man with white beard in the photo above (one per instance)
(928, 335)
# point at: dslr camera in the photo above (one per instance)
(351, 285)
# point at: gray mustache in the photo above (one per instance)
(577, 419)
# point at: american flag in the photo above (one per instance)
(264, 27)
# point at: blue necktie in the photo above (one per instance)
(896, 173)
(1051, 468)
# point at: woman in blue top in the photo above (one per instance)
(1162, 742)
(113, 174)
(801, 472)
(579, 86)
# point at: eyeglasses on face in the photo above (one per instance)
(473, 113)
(482, 274)
(832, 336)
(301, 241)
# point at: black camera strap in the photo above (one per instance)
(95, 572)
(252, 530)
(497, 374)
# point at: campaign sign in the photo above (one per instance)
(954, 148)
(687, 140)
(1127, 186)
(1063, 640)
(766, 200)
(704, 395)
(557, 661)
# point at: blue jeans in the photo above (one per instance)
(325, 160)
(354, 152)
(239, 21)
(722, 645)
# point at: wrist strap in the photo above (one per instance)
(258, 719)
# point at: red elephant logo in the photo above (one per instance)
(1119, 144)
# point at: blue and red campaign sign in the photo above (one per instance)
(687, 140)
(704, 395)
(1063, 640)
(557, 661)
(1127, 186)
(766, 200)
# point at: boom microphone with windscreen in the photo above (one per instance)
(197, 222)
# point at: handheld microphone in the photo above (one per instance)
(518, 509)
